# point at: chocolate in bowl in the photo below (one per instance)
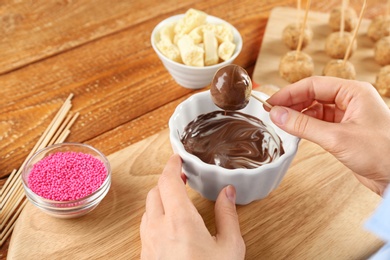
(232, 140)
(209, 179)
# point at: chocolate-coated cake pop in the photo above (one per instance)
(231, 87)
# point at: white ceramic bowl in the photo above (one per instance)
(189, 76)
(208, 179)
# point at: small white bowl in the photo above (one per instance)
(208, 179)
(188, 76)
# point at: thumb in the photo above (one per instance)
(299, 124)
(226, 219)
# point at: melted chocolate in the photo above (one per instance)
(232, 140)
(231, 87)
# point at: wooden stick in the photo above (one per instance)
(299, 47)
(10, 207)
(298, 11)
(8, 229)
(10, 177)
(342, 19)
(12, 194)
(262, 101)
(7, 234)
(60, 130)
(355, 32)
(44, 139)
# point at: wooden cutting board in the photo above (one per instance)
(266, 71)
(317, 212)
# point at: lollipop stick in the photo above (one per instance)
(303, 27)
(342, 20)
(355, 32)
(298, 11)
(262, 101)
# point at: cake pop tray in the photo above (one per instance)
(266, 70)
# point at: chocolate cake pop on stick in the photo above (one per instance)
(296, 65)
(292, 32)
(336, 43)
(231, 88)
(344, 68)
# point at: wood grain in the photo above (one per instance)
(100, 51)
(318, 212)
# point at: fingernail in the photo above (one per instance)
(231, 193)
(279, 115)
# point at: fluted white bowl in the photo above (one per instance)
(189, 76)
(208, 179)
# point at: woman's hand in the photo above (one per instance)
(172, 228)
(347, 118)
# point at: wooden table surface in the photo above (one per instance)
(100, 51)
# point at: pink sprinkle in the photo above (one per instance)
(65, 176)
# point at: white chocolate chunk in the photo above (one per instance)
(167, 33)
(191, 54)
(223, 32)
(169, 50)
(186, 40)
(210, 47)
(226, 50)
(197, 34)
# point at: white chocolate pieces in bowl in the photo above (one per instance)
(194, 45)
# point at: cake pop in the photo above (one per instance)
(291, 33)
(378, 28)
(382, 83)
(344, 68)
(340, 69)
(295, 66)
(382, 51)
(337, 43)
(231, 88)
(350, 19)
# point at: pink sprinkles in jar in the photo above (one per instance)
(66, 176)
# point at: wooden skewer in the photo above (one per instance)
(342, 20)
(10, 207)
(8, 229)
(42, 142)
(60, 130)
(10, 177)
(299, 47)
(262, 101)
(355, 32)
(12, 197)
(298, 11)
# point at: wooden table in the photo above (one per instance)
(100, 51)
